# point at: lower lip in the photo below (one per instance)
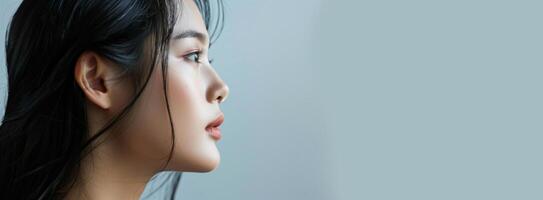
(214, 132)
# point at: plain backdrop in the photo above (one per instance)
(351, 100)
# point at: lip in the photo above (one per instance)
(213, 128)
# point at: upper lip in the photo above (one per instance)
(217, 122)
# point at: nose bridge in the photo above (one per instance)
(217, 90)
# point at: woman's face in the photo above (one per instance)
(194, 93)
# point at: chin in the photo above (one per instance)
(209, 168)
(199, 161)
(207, 165)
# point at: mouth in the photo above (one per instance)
(213, 128)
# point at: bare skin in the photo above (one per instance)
(138, 146)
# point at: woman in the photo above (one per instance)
(103, 94)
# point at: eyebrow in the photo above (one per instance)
(190, 34)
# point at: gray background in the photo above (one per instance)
(377, 100)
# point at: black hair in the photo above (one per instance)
(44, 133)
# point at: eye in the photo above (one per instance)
(193, 56)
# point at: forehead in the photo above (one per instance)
(189, 18)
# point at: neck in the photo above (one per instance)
(107, 173)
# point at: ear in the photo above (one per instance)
(91, 73)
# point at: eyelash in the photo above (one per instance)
(197, 58)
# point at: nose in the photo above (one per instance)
(217, 90)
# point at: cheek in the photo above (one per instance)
(195, 150)
(149, 135)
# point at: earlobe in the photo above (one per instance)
(90, 75)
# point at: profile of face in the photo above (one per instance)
(143, 139)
